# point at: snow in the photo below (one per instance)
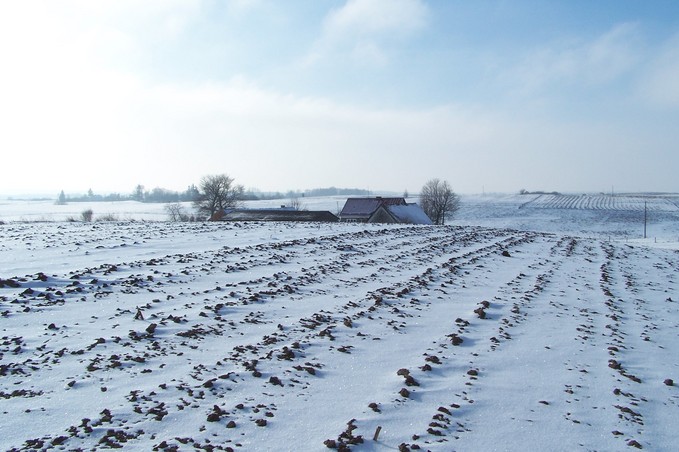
(19, 210)
(317, 328)
(410, 214)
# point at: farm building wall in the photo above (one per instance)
(381, 215)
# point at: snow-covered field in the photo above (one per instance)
(511, 329)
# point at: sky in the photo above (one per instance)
(492, 96)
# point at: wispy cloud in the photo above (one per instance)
(660, 86)
(272, 140)
(362, 29)
(375, 17)
(577, 62)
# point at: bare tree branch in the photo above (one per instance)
(296, 204)
(175, 211)
(218, 192)
(438, 200)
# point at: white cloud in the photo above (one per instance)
(612, 54)
(86, 119)
(361, 29)
(574, 62)
(166, 16)
(375, 17)
(240, 6)
(129, 132)
(112, 131)
(277, 142)
(660, 86)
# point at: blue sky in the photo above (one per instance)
(574, 96)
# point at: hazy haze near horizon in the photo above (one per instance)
(380, 94)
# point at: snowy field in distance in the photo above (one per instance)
(47, 210)
(611, 217)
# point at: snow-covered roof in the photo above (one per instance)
(278, 215)
(410, 214)
(365, 207)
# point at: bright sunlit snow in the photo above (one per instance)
(531, 328)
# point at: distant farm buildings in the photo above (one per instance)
(280, 214)
(356, 210)
(383, 210)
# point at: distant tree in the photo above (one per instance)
(87, 215)
(334, 191)
(217, 192)
(175, 212)
(253, 194)
(296, 204)
(406, 195)
(161, 195)
(90, 193)
(112, 197)
(61, 199)
(438, 200)
(191, 194)
(138, 194)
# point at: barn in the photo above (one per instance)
(383, 210)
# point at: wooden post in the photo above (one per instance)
(377, 432)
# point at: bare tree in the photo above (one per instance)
(217, 192)
(438, 200)
(61, 200)
(296, 204)
(138, 194)
(175, 211)
(87, 215)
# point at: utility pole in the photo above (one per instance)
(645, 218)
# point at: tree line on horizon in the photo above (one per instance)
(192, 193)
(156, 195)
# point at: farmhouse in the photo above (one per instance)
(383, 210)
(280, 214)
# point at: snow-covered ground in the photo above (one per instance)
(511, 329)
